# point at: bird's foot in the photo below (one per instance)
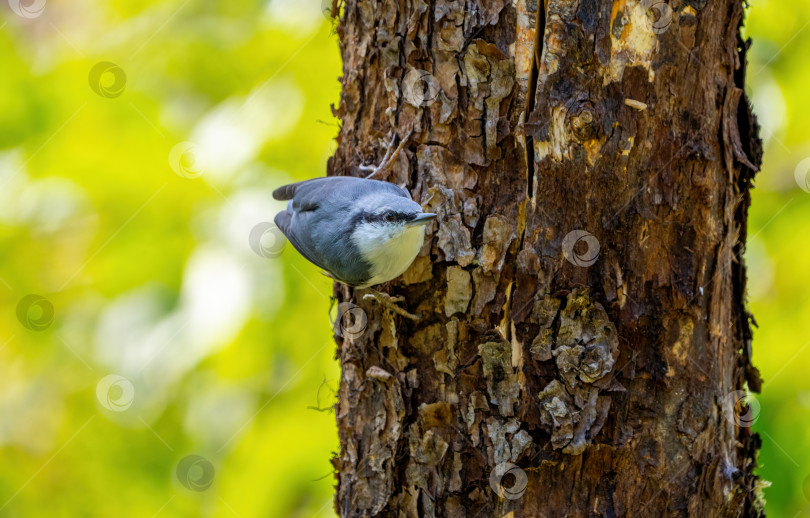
(390, 303)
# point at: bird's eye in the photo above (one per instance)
(389, 217)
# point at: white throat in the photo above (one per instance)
(389, 249)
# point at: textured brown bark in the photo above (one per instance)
(539, 382)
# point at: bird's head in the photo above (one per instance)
(383, 217)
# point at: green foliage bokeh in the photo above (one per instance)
(145, 257)
(151, 275)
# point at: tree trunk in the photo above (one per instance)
(583, 342)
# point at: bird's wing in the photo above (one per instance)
(283, 221)
(303, 243)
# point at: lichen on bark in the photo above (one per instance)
(584, 346)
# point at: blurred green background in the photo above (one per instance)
(174, 364)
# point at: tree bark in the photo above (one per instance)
(583, 338)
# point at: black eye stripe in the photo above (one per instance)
(384, 217)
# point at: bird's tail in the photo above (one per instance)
(286, 192)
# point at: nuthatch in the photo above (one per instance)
(362, 232)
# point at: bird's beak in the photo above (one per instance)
(422, 219)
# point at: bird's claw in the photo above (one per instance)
(390, 303)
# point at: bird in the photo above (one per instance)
(361, 231)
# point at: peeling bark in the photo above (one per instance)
(582, 291)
